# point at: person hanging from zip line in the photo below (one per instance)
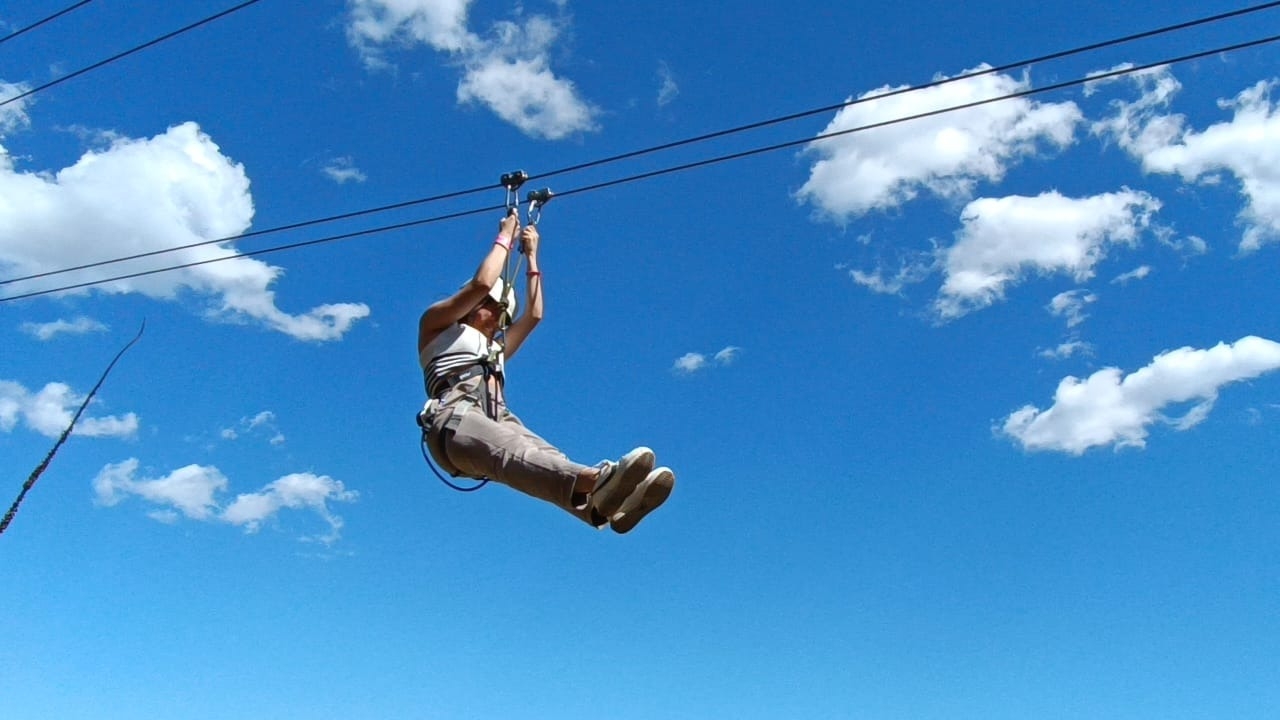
(464, 342)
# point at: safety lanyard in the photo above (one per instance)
(535, 201)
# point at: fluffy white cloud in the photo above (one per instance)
(525, 93)
(49, 330)
(690, 362)
(1071, 305)
(1002, 239)
(1109, 408)
(1137, 125)
(945, 154)
(194, 491)
(12, 398)
(1067, 349)
(14, 115)
(264, 423)
(1138, 273)
(727, 355)
(439, 24)
(1247, 146)
(668, 90)
(141, 195)
(695, 361)
(298, 491)
(50, 410)
(912, 270)
(191, 489)
(343, 170)
(508, 71)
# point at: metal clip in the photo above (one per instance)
(512, 182)
(538, 198)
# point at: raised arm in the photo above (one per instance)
(455, 307)
(525, 324)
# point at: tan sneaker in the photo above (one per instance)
(648, 495)
(618, 481)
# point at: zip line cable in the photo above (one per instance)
(918, 116)
(35, 474)
(38, 23)
(127, 53)
(676, 168)
(666, 146)
(932, 84)
(255, 233)
(263, 251)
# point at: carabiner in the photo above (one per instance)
(538, 198)
(512, 182)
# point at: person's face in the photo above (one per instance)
(487, 314)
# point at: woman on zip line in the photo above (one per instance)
(464, 342)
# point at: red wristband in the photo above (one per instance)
(534, 273)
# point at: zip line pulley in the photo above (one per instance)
(512, 182)
(537, 199)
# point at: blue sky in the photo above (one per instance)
(973, 416)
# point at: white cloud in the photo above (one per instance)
(912, 270)
(47, 331)
(194, 491)
(1191, 245)
(727, 355)
(1067, 349)
(439, 24)
(13, 116)
(191, 489)
(298, 491)
(343, 170)
(508, 71)
(1003, 239)
(12, 398)
(141, 195)
(1109, 408)
(512, 78)
(1136, 125)
(50, 410)
(1071, 305)
(946, 154)
(1138, 273)
(667, 87)
(1247, 146)
(264, 423)
(695, 361)
(690, 362)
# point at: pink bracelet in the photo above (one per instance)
(503, 242)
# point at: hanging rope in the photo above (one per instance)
(35, 474)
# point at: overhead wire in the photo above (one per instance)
(1092, 77)
(914, 88)
(126, 53)
(1219, 17)
(38, 23)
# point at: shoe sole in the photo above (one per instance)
(653, 492)
(637, 463)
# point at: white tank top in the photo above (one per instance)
(455, 350)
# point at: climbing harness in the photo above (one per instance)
(535, 201)
(487, 400)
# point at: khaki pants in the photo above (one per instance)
(465, 441)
